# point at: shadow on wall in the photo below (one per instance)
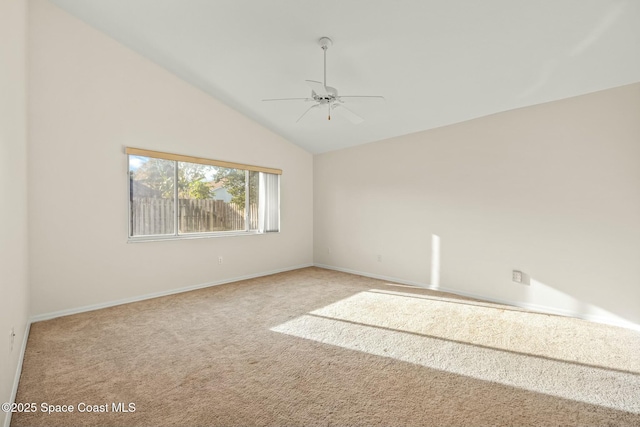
(538, 293)
(552, 65)
(535, 295)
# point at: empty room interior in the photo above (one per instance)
(320, 213)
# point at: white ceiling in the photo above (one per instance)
(436, 62)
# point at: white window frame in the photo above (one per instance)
(129, 151)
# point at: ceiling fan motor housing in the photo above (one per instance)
(330, 97)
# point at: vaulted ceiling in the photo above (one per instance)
(437, 62)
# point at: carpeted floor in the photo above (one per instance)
(318, 347)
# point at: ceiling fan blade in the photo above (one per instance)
(288, 99)
(317, 87)
(363, 98)
(308, 109)
(347, 114)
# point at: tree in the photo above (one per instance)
(234, 182)
(159, 175)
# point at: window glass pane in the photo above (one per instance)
(210, 198)
(173, 198)
(151, 188)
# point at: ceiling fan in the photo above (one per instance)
(327, 96)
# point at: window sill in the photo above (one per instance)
(159, 238)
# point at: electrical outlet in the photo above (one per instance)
(516, 276)
(219, 260)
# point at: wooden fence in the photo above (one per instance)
(155, 216)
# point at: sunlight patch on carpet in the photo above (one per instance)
(558, 356)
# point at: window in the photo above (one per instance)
(174, 196)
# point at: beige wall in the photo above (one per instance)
(91, 97)
(552, 190)
(13, 190)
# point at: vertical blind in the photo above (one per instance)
(269, 203)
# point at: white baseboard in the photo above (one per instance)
(52, 315)
(377, 276)
(519, 304)
(16, 377)
(533, 307)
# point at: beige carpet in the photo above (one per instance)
(319, 347)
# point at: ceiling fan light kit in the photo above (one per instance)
(327, 96)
